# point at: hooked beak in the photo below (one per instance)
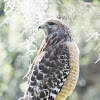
(41, 27)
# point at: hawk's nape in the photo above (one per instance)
(55, 69)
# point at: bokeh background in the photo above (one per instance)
(20, 41)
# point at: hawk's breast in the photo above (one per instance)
(72, 78)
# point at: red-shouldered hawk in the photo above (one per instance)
(55, 69)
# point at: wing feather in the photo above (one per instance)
(49, 73)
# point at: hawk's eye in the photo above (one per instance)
(51, 23)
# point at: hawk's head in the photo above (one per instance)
(52, 25)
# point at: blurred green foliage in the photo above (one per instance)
(14, 64)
